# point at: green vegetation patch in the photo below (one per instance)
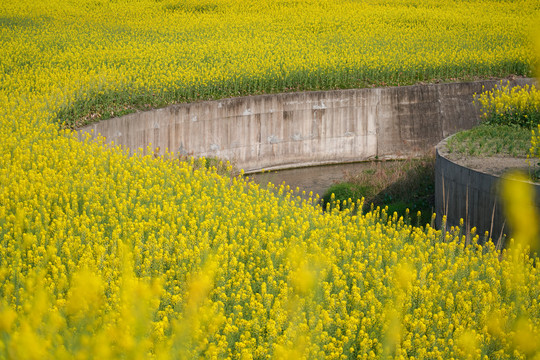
(491, 140)
(344, 193)
(404, 186)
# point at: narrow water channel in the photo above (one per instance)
(316, 179)
(400, 185)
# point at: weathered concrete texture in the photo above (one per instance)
(299, 129)
(471, 195)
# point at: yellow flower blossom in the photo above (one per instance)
(106, 255)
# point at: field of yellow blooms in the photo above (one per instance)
(108, 256)
(95, 59)
(511, 106)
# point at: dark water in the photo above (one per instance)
(315, 178)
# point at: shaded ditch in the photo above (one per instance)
(398, 184)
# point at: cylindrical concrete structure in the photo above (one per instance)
(307, 128)
(471, 195)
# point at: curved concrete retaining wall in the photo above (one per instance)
(309, 128)
(471, 195)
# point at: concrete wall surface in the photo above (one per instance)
(308, 128)
(471, 195)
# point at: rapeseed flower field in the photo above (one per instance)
(518, 106)
(96, 59)
(103, 255)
